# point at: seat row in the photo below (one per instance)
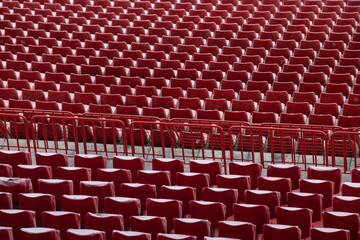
(185, 228)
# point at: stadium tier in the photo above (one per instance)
(91, 200)
(179, 119)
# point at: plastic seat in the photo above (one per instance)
(99, 189)
(255, 214)
(181, 193)
(300, 217)
(167, 208)
(6, 233)
(195, 180)
(91, 161)
(281, 232)
(39, 233)
(6, 170)
(274, 96)
(226, 196)
(342, 220)
(74, 234)
(148, 224)
(348, 121)
(80, 204)
(34, 172)
(268, 198)
(270, 106)
(140, 191)
(326, 173)
(192, 226)
(335, 90)
(104, 222)
(130, 235)
(329, 233)
(326, 188)
(56, 187)
(37, 202)
(121, 205)
(327, 108)
(281, 185)
(262, 86)
(263, 76)
(251, 169)
(75, 174)
(17, 219)
(285, 171)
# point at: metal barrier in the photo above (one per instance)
(344, 148)
(177, 140)
(180, 138)
(14, 129)
(279, 145)
(79, 135)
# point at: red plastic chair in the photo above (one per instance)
(326, 173)
(270, 199)
(342, 220)
(326, 188)
(255, 214)
(39, 233)
(17, 219)
(329, 233)
(167, 208)
(281, 232)
(34, 172)
(140, 191)
(192, 226)
(148, 224)
(243, 168)
(77, 234)
(307, 200)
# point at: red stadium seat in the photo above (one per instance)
(326, 188)
(139, 190)
(329, 233)
(75, 234)
(104, 222)
(39, 233)
(148, 224)
(281, 232)
(271, 199)
(342, 220)
(17, 219)
(192, 226)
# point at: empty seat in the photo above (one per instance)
(130, 235)
(342, 220)
(104, 222)
(94, 162)
(192, 226)
(52, 159)
(326, 173)
(255, 214)
(319, 233)
(300, 217)
(281, 185)
(281, 232)
(138, 190)
(210, 167)
(268, 198)
(34, 172)
(227, 196)
(75, 174)
(17, 219)
(148, 224)
(326, 188)
(244, 168)
(14, 158)
(167, 208)
(75, 234)
(80, 204)
(99, 189)
(37, 202)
